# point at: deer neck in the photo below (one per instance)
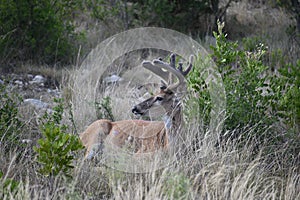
(173, 119)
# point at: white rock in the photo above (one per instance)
(18, 82)
(1, 82)
(36, 103)
(54, 92)
(38, 79)
(112, 79)
(26, 141)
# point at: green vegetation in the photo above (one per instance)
(10, 124)
(8, 186)
(293, 6)
(256, 157)
(104, 109)
(38, 31)
(55, 151)
(256, 97)
(177, 186)
(49, 32)
(138, 13)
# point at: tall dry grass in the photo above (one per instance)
(201, 171)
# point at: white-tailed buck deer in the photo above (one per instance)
(139, 135)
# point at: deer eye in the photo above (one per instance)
(159, 98)
(163, 87)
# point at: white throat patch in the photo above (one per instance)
(168, 122)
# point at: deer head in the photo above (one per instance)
(168, 96)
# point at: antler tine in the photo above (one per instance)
(156, 70)
(157, 65)
(173, 71)
(173, 60)
(180, 67)
(190, 65)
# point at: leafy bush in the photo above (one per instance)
(289, 101)
(151, 12)
(137, 13)
(56, 149)
(103, 10)
(177, 186)
(10, 125)
(256, 96)
(9, 187)
(185, 14)
(243, 76)
(38, 30)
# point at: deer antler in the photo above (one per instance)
(157, 67)
(156, 70)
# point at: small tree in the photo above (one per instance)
(37, 30)
(55, 151)
(255, 96)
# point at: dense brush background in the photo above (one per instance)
(43, 43)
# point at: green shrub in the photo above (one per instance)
(243, 76)
(103, 10)
(255, 96)
(288, 106)
(37, 30)
(8, 187)
(177, 186)
(151, 12)
(201, 102)
(55, 151)
(10, 124)
(139, 13)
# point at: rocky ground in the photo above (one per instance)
(36, 91)
(34, 94)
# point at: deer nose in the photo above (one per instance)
(135, 110)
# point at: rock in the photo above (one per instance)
(26, 141)
(30, 76)
(54, 92)
(38, 79)
(112, 79)
(18, 82)
(1, 82)
(36, 103)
